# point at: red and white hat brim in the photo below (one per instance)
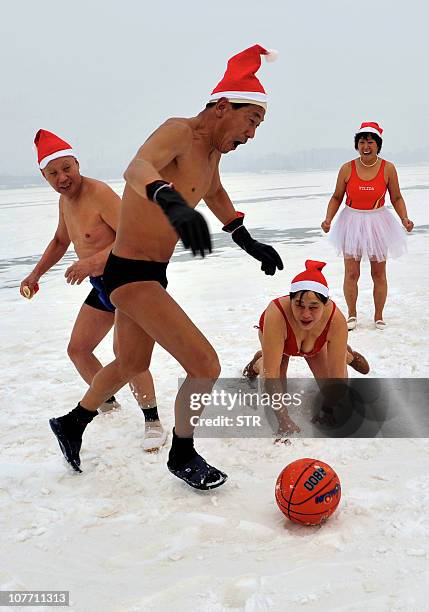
(65, 153)
(308, 285)
(368, 129)
(252, 96)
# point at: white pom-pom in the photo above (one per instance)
(272, 55)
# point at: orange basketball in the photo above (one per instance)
(308, 491)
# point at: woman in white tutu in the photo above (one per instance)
(365, 228)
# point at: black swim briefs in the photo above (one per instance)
(97, 298)
(122, 271)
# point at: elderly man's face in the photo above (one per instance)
(63, 175)
(236, 126)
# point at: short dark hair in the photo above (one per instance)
(235, 105)
(378, 139)
(322, 298)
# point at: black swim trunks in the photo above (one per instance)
(122, 271)
(97, 297)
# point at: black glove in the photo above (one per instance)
(264, 253)
(188, 223)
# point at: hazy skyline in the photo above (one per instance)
(103, 75)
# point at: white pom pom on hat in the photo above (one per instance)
(271, 55)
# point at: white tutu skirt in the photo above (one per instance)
(368, 234)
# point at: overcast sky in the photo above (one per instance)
(104, 73)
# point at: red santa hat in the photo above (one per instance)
(49, 147)
(239, 83)
(370, 126)
(312, 279)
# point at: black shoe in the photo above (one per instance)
(69, 445)
(198, 474)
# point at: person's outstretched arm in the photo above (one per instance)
(396, 198)
(337, 197)
(52, 255)
(221, 206)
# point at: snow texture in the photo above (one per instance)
(126, 536)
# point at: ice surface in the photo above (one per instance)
(125, 535)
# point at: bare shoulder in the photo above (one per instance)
(99, 188)
(344, 173)
(100, 194)
(273, 311)
(338, 322)
(181, 124)
(177, 127)
(390, 167)
(346, 168)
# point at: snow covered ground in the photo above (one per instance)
(127, 536)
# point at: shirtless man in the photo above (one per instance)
(88, 217)
(173, 170)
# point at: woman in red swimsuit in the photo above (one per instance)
(365, 228)
(305, 323)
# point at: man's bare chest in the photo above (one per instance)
(83, 226)
(192, 175)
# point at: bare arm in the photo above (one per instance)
(337, 347)
(273, 339)
(274, 336)
(337, 197)
(88, 266)
(52, 254)
(165, 144)
(220, 204)
(219, 201)
(169, 142)
(396, 196)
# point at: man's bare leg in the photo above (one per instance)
(91, 326)
(152, 308)
(147, 313)
(134, 352)
(143, 390)
(155, 311)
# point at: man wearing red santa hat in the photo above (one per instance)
(88, 217)
(174, 169)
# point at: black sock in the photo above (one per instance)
(150, 414)
(182, 450)
(77, 420)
